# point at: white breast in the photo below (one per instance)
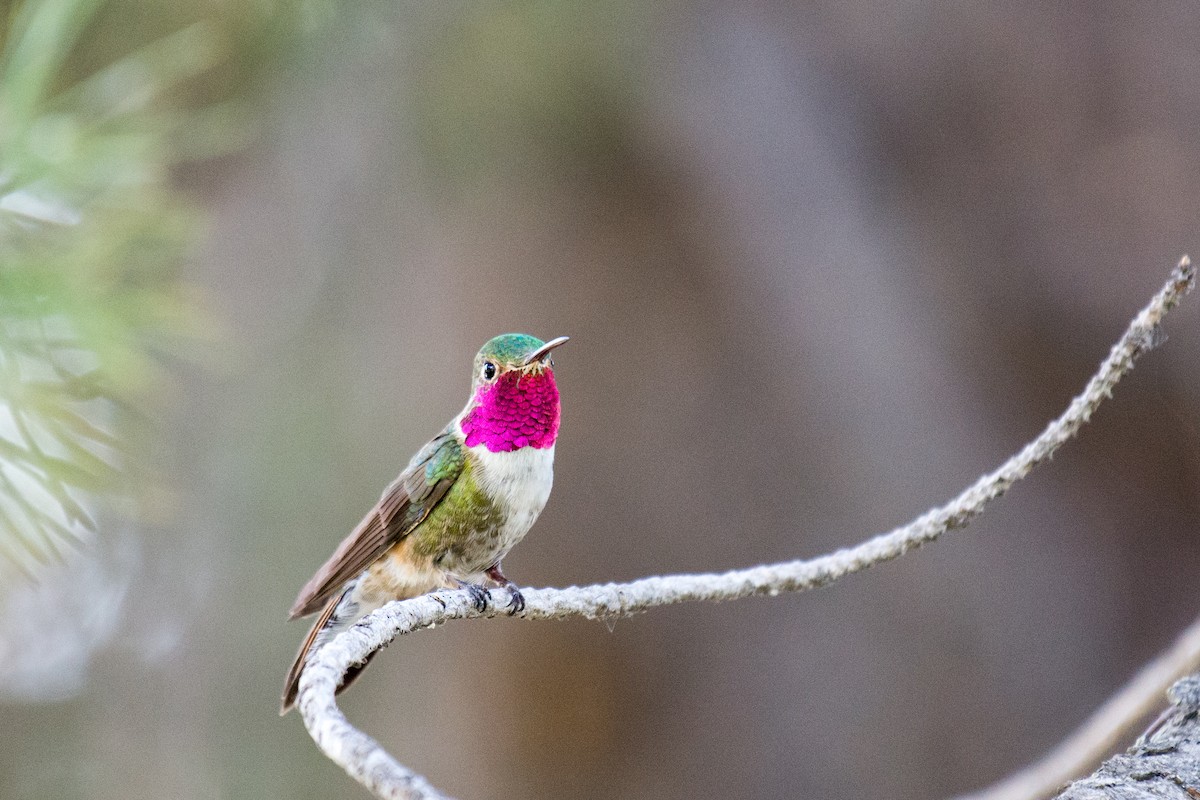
(519, 482)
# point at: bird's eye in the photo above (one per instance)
(489, 371)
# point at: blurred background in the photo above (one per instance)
(822, 264)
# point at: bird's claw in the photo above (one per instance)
(516, 600)
(479, 596)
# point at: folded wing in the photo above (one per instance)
(403, 506)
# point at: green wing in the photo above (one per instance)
(403, 506)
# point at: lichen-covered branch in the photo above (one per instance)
(1108, 725)
(1164, 764)
(368, 763)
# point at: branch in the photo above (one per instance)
(373, 767)
(1103, 730)
(1164, 763)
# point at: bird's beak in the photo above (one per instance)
(540, 353)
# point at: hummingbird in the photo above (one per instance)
(456, 510)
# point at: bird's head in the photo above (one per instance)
(514, 399)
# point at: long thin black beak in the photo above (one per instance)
(538, 354)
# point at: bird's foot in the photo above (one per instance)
(516, 601)
(479, 595)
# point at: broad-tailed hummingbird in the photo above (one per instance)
(456, 510)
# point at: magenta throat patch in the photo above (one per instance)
(518, 410)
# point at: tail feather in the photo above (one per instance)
(339, 613)
(343, 610)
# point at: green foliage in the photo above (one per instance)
(92, 236)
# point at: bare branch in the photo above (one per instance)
(1100, 733)
(368, 763)
(1164, 763)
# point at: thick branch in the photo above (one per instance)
(1100, 734)
(1164, 764)
(368, 763)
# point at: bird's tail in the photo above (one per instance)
(339, 613)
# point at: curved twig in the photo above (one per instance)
(372, 766)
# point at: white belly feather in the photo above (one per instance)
(519, 482)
